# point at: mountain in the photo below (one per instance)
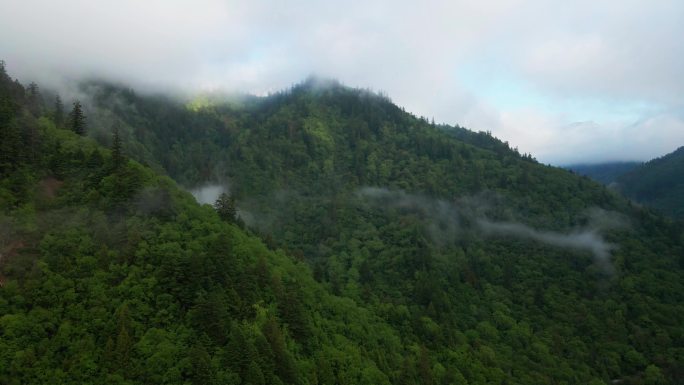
(658, 183)
(393, 250)
(109, 273)
(605, 173)
(435, 227)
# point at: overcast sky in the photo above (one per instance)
(568, 81)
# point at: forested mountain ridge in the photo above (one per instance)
(301, 164)
(440, 255)
(658, 183)
(308, 129)
(605, 173)
(110, 273)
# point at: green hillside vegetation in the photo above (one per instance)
(296, 162)
(394, 250)
(658, 183)
(111, 274)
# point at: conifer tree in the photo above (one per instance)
(117, 152)
(10, 134)
(78, 124)
(34, 99)
(225, 207)
(59, 112)
(254, 376)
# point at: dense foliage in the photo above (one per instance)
(298, 160)
(658, 183)
(376, 269)
(111, 274)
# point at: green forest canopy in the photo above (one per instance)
(111, 273)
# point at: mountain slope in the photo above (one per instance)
(109, 273)
(658, 183)
(605, 173)
(496, 267)
(439, 255)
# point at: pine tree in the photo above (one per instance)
(10, 134)
(108, 354)
(225, 207)
(34, 99)
(78, 124)
(254, 376)
(239, 351)
(59, 112)
(285, 366)
(124, 342)
(117, 152)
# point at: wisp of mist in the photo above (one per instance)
(446, 218)
(208, 193)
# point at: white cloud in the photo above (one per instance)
(615, 51)
(552, 140)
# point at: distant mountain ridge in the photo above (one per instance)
(605, 173)
(658, 183)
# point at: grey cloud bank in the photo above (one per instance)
(616, 52)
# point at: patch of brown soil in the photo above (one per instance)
(49, 186)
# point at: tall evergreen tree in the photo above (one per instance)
(225, 207)
(117, 152)
(35, 101)
(10, 134)
(78, 124)
(58, 116)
